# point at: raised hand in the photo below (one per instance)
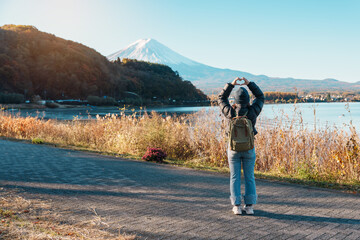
(246, 82)
(235, 82)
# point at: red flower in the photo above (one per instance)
(155, 155)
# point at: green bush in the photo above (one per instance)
(35, 99)
(11, 98)
(52, 105)
(101, 101)
(37, 141)
(133, 101)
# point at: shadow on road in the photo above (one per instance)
(279, 216)
(163, 197)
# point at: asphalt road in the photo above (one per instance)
(165, 202)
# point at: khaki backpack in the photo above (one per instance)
(241, 135)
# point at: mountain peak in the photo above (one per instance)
(144, 41)
(150, 50)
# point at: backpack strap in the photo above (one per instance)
(237, 116)
(246, 113)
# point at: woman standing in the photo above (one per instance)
(242, 107)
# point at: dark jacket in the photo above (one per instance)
(253, 110)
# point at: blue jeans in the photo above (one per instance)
(247, 160)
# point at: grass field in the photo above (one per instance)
(329, 157)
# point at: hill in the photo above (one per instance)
(211, 79)
(37, 63)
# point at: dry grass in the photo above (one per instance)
(283, 148)
(37, 220)
(327, 154)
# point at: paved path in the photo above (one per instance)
(165, 202)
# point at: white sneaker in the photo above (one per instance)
(248, 209)
(237, 210)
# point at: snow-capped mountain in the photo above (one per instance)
(151, 50)
(203, 76)
(211, 79)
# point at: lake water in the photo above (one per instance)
(326, 114)
(337, 114)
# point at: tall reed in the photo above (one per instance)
(313, 153)
(285, 146)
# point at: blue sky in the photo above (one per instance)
(312, 39)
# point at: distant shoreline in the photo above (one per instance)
(63, 106)
(66, 106)
(33, 106)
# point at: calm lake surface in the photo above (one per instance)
(326, 114)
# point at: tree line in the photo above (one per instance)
(281, 97)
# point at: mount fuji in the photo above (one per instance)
(211, 79)
(151, 50)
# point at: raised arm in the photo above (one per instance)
(258, 103)
(223, 99)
